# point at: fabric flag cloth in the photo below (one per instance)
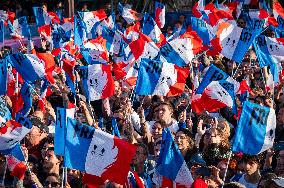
(278, 10)
(3, 77)
(60, 128)
(28, 65)
(96, 51)
(203, 30)
(181, 51)
(270, 52)
(69, 68)
(151, 29)
(41, 16)
(5, 112)
(97, 153)
(2, 31)
(92, 18)
(13, 132)
(26, 97)
(144, 47)
(97, 81)
(128, 14)
(80, 33)
(49, 65)
(113, 40)
(19, 28)
(16, 164)
(170, 162)
(218, 94)
(234, 41)
(160, 14)
(160, 78)
(256, 129)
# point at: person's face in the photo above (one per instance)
(140, 156)
(157, 130)
(51, 182)
(73, 174)
(45, 148)
(44, 7)
(50, 160)
(178, 25)
(117, 89)
(280, 163)
(251, 167)
(33, 137)
(182, 141)
(157, 149)
(241, 23)
(164, 113)
(280, 116)
(215, 138)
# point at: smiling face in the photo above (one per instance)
(101, 155)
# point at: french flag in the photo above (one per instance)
(278, 11)
(7, 16)
(19, 28)
(233, 41)
(218, 94)
(6, 116)
(13, 132)
(108, 23)
(128, 14)
(270, 52)
(160, 78)
(160, 14)
(171, 163)
(198, 9)
(181, 51)
(41, 16)
(69, 68)
(16, 164)
(144, 47)
(97, 81)
(80, 33)
(3, 77)
(28, 65)
(204, 30)
(49, 65)
(132, 32)
(151, 29)
(97, 153)
(113, 40)
(96, 51)
(90, 19)
(45, 32)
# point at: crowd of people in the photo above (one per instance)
(204, 140)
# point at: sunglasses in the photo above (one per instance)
(53, 184)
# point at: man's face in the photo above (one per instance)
(50, 160)
(164, 113)
(140, 156)
(251, 167)
(33, 137)
(117, 89)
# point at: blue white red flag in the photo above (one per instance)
(128, 14)
(96, 51)
(204, 31)
(113, 40)
(144, 47)
(278, 10)
(69, 68)
(160, 14)
(160, 78)
(16, 164)
(235, 41)
(151, 29)
(3, 77)
(20, 28)
(27, 98)
(270, 52)
(180, 51)
(60, 128)
(92, 18)
(97, 81)
(41, 17)
(97, 153)
(80, 33)
(6, 114)
(28, 65)
(13, 132)
(256, 129)
(171, 163)
(218, 94)
(132, 32)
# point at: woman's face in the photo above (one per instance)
(182, 140)
(215, 137)
(157, 130)
(45, 147)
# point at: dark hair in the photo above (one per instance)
(255, 158)
(266, 177)
(58, 178)
(145, 148)
(167, 104)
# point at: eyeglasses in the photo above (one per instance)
(53, 184)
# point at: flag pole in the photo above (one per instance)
(4, 175)
(226, 170)
(62, 180)
(236, 70)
